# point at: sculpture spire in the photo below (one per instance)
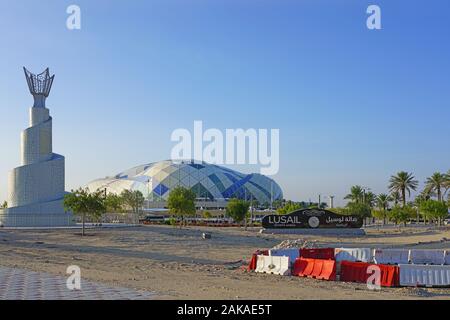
(39, 85)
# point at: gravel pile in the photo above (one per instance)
(420, 292)
(299, 243)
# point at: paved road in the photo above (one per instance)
(19, 284)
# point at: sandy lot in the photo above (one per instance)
(179, 264)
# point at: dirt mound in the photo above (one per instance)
(299, 243)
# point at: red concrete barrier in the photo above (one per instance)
(354, 271)
(318, 253)
(390, 275)
(328, 270)
(357, 272)
(299, 267)
(252, 264)
(315, 268)
(309, 268)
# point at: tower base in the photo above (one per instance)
(48, 214)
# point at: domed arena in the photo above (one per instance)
(209, 182)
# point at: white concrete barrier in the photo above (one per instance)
(427, 256)
(353, 254)
(292, 253)
(260, 262)
(391, 256)
(412, 275)
(273, 265)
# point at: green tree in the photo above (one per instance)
(380, 214)
(421, 197)
(84, 203)
(238, 210)
(339, 210)
(402, 214)
(315, 205)
(207, 215)
(276, 204)
(437, 183)
(97, 207)
(114, 203)
(382, 202)
(77, 202)
(435, 210)
(181, 202)
(355, 195)
(403, 182)
(133, 199)
(4, 205)
(289, 207)
(358, 209)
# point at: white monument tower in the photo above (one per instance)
(36, 188)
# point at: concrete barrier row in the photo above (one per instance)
(378, 256)
(404, 274)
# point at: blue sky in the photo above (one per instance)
(353, 105)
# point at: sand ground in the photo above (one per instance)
(179, 264)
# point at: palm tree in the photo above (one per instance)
(382, 201)
(447, 182)
(369, 198)
(436, 183)
(395, 197)
(423, 196)
(355, 195)
(403, 182)
(427, 193)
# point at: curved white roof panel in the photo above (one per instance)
(155, 180)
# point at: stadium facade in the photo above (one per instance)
(211, 183)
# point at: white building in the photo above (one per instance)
(36, 188)
(214, 185)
